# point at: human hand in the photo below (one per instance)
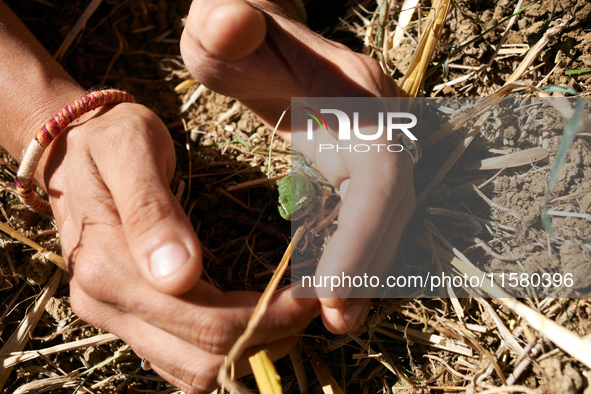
(258, 53)
(134, 259)
(378, 199)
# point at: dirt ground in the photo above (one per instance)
(434, 344)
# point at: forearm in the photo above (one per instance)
(33, 86)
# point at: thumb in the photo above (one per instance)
(228, 29)
(136, 169)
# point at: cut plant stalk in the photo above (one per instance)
(225, 374)
(413, 79)
(265, 374)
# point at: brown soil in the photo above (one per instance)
(134, 45)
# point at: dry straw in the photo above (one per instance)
(412, 81)
(567, 340)
(22, 333)
(225, 375)
(51, 256)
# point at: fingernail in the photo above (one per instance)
(167, 259)
(355, 314)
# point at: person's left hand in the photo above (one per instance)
(134, 258)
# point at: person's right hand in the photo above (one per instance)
(134, 259)
(257, 52)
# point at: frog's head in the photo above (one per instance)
(298, 197)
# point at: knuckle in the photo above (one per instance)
(377, 81)
(140, 214)
(204, 381)
(133, 128)
(85, 308)
(195, 376)
(371, 65)
(86, 275)
(214, 335)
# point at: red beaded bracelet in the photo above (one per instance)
(56, 124)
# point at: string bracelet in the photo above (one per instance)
(55, 125)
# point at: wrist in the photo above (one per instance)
(34, 85)
(33, 163)
(34, 114)
(28, 114)
(50, 157)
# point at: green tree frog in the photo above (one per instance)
(298, 197)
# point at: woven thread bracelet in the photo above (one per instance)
(55, 125)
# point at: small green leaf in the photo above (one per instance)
(560, 89)
(446, 68)
(242, 141)
(568, 136)
(546, 220)
(577, 72)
